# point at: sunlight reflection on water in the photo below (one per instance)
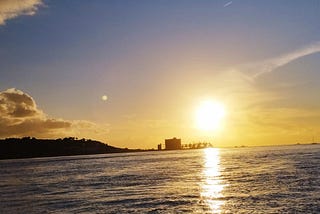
(212, 186)
(248, 180)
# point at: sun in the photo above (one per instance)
(209, 115)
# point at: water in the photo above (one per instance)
(284, 179)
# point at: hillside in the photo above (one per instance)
(31, 147)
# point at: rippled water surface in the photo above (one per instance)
(284, 179)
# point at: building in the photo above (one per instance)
(172, 144)
(159, 147)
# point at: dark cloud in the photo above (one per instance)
(14, 104)
(20, 116)
(34, 127)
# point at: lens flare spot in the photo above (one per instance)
(104, 98)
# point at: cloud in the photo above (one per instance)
(16, 104)
(20, 116)
(10, 9)
(274, 63)
(227, 4)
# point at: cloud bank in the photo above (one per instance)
(272, 64)
(20, 116)
(10, 9)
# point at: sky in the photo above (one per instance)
(155, 61)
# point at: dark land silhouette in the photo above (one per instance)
(31, 147)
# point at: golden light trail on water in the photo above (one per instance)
(212, 184)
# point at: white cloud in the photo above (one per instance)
(271, 64)
(10, 9)
(227, 4)
(20, 116)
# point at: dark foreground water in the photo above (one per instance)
(282, 179)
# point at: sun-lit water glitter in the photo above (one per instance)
(282, 179)
(213, 186)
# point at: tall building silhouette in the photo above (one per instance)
(172, 144)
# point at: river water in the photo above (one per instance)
(282, 179)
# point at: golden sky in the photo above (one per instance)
(133, 75)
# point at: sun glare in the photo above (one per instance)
(209, 115)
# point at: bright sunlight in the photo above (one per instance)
(209, 115)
